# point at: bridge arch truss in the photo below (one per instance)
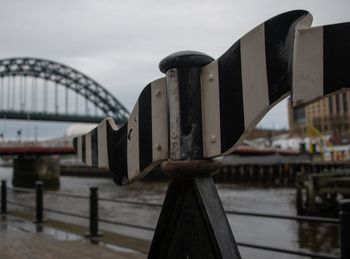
(18, 70)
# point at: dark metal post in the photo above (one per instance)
(192, 222)
(299, 193)
(3, 197)
(93, 229)
(39, 218)
(183, 71)
(344, 214)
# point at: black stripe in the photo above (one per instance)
(145, 128)
(94, 148)
(83, 153)
(117, 153)
(336, 57)
(231, 97)
(279, 34)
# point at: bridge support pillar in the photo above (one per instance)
(28, 170)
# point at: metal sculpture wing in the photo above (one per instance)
(238, 89)
(321, 64)
(135, 148)
(248, 80)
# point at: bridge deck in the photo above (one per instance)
(35, 150)
(45, 116)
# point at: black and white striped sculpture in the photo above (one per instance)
(280, 56)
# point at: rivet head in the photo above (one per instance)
(158, 147)
(174, 134)
(213, 139)
(211, 77)
(158, 93)
(124, 180)
(172, 74)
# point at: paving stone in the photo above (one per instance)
(19, 244)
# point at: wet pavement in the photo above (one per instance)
(19, 239)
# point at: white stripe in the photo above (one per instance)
(254, 76)
(79, 147)
(88, 159)
(133, 144)
(211, 110)
(174, 113)
(159, 120)
(102, 145)
(308, 65)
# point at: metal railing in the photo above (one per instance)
(343, 221)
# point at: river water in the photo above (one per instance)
(270, 232)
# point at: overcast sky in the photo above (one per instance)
(120, 43)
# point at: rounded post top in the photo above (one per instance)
(186, 58)
(344, 205)
(93, 189)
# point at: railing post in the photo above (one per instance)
(299, 193)
(93, 229)
(3, 197)
(344, 214)
(39, 217)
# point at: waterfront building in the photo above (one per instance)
(330, 116)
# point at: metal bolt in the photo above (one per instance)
(158, 147)
(158, 93)
(213, 139)
(172, 74)
(124, 180)
(174, 134)
(211, 77)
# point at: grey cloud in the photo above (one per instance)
(120, 43)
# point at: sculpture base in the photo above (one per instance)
(193, 224)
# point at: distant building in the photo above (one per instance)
(266, 133)
(329, 115)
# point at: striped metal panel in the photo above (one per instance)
(280, 55)
(247, 81)
(132, 150)
(321, 62)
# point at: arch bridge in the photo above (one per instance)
(38, 89)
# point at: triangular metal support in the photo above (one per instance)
(193, 223)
